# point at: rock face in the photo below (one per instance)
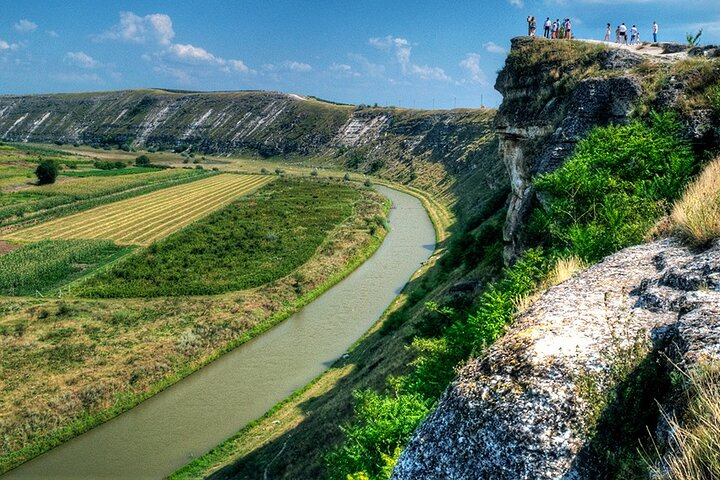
(519, 412)
(549, 104)
(265, 123)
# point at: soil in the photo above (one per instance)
(7, 247)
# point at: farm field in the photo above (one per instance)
(46, 265)
(242, 246)
(67, 364)
(27, 202)
(147, 218)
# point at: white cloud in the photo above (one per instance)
(238, 66)
(517, 3)
(288, 65)
(52, 33)
(400, 46)
(80, 59)
(426, 72)
(402, 50)
(372, 69)
(4, 46)
(25, 26)
(493, 47)
(156, 27)
(297, 66)
(192, 54)
(471, 64)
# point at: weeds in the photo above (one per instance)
(696, 216)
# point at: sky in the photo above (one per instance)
(409, 53)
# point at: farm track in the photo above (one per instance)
(143, 219)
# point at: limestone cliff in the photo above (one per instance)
(555, 93)
(523, 410)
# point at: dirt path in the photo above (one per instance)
(655, 50)
(6, 247)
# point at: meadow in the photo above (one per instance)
(247, 244)
(147, 218)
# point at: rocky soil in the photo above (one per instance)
(520, 412)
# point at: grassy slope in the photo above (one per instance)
(75, 345)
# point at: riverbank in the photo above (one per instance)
(137, 348)
(321, 406)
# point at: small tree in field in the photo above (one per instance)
(142, 161)
(46, 172)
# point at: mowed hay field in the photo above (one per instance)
(144, 219)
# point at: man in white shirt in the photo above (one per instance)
(655, 29)
(623, 34)
(547, 25)
(633, 35)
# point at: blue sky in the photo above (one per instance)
(412, 53)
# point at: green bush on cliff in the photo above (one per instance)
(615, 186)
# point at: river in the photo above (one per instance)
(188, 419)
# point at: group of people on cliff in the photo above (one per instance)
(551, 30)
(557, 29)
(621, 34)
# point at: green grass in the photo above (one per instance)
(109, 173)
(247, 244)
(46, 265)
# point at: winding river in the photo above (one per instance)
(191, 417)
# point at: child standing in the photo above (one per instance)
(607, 33)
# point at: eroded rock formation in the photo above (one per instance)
(521, 411)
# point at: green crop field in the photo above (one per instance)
(245, 245)
(146, 218)
(49, 264)
(27, 202)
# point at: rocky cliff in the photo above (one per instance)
(524, 410)
(555, 93)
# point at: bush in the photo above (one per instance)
(615, 186)
(384, 424)
(280, 171)
(347, 177)
(314, 172)
(142, 161)
(367, 183)
(46, 172)
(696, 216)
(264, 171)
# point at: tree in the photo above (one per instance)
(142, 161)
(46, 172)
(694, 40)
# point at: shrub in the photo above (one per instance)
(367, 183)
(696, 216)
(347, 177)
(385, 423)
(264, 171)
(142, 161)
(611, 191)
(46, 172)
(314, 172)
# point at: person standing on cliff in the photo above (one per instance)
(623, 34)
(547, 25)
(633, 35)
(655, 29)
(532, 26)
(568, 29)
(617, 34)
(607, 33)
(555, 28)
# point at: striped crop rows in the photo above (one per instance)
(142, 220)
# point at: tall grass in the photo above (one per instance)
(695, 441)
(696, 215)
